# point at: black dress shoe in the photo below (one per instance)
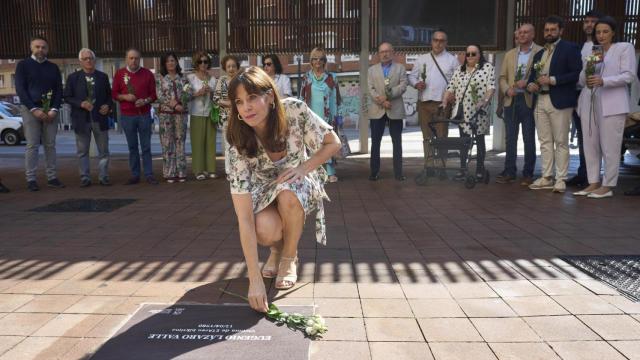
(32, 185)
(374, 177)
(55, 183)
(4, 189)
(132, 180)
(505, 179)
(151, 180)
(577, 181)
(105, 182)
(401, 178)
(85, 183)
(633, 192)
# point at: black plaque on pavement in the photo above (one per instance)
(199, 332)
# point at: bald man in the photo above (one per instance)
(518, 106)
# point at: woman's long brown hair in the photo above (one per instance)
(255, 81)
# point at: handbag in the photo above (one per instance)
(459, 113)
(214, 114)
(345, 149)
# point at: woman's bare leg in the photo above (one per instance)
(269, 233)
(269, 226)
(292, 215)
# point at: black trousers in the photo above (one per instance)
(481, 151)
(582, 169)
(377, 130)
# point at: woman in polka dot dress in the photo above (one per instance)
(472, 87)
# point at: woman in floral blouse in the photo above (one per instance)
(230, 64)
(320, 92)
(173, 96)
(471, 88)
(276, 151)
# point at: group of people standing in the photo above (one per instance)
(542, 88)
(445, 87)
(197, 102)
(546, 88)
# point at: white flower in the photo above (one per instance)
(310, 330)
(593, 58)
(126, 79)
(186, 87)
(311, 322)
(284, 315)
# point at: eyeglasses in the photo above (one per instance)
(202, 62)
(471, 54)
(316, 59)
(267, 64)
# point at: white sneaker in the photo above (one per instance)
(541, 183)
(559, 186)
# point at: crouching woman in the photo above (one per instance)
(276, 149)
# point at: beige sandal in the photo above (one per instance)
(270, 268)
(287, 273)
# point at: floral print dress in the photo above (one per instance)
(173, 124)
(484, 79)
(221, 93)
(256, 176)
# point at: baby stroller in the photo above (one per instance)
(462, 144)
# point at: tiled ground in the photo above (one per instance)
(408, 273)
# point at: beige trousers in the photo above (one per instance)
(553, 134)
(427, 111)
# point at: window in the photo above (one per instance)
(13, 80)
(11, 61)
(1, 81)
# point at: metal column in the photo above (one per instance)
(363, 121)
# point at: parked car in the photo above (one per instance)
(11, 131)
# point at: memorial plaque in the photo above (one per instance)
(211, 332)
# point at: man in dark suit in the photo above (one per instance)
(89, 94)
(553, 79)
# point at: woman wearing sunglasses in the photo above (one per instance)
(471, 89)
(272, 66)
(320, 92)
(203, 131)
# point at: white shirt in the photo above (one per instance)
(201, 105)
(436, 84)
(587, 49)
(283, 84)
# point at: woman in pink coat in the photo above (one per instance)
(603, 107)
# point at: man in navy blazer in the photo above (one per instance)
(553, 80)
(39, 86)
(89, 94)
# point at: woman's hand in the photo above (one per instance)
(594, 81)
(292, 175)
(258, 296)
(202, 91)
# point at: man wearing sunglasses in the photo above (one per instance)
(430, 75)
